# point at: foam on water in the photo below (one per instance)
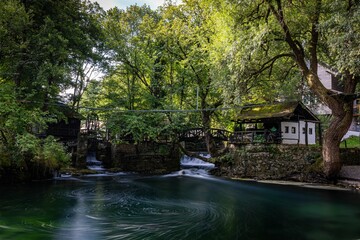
(93, 163)
(194, 167)
(187, 161)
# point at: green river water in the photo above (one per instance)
(177, 206)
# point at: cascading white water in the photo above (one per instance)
(92, 163)
(195, 167)
(192, 162)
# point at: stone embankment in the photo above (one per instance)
(271, 162)
(350, 172)
(284, 162)
(146, 157)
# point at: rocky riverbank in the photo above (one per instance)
(290, 163)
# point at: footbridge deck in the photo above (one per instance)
(240, 137)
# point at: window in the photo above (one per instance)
(310, 131)
(303, 130)
(286, 129)
(293, 130)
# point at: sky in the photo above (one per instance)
(107, 4)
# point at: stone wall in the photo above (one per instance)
(146, 157)
(82, 149)
(350, 156)
(351, 164)
(280, 162)
(103, 153)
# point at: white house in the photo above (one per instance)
(290, 122)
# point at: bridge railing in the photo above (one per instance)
(264, 136)
(238, 137)
(220, 133)
(197, 133)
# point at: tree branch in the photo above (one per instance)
(310, 74)
(5, 141)
(298, 53)
(314, 38)
(271, 62)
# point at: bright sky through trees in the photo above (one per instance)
(107, 4)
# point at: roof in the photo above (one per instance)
(284, 110)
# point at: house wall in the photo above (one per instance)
(325, 77)
(290, 132)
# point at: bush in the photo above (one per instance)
(31, 158)
(47, 152)
(54, 153)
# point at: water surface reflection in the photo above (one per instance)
(174, 207)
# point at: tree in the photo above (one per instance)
(188, 34)
(42, 42)
(48, 41)
(307, 33)
(89, 61)
(144, 76)
(135, 54)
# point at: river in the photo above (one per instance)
(188, 204)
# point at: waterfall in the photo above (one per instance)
(192, 162)
(195, 167)
(92, 163)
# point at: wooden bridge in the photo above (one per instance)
(239, 137)
(195, 134)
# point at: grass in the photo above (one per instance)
(351, 142)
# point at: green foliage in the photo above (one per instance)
(54, 154)
(16, 117)
(46, 47)
(343, 25)
(259, 139)
(199, 54)
(47, 152)
(146, 126)
(14, 21)
(139, 127)
(45, 43)
(227, 159)
(139, 71)
(28, 144)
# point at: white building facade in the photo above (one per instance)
(286, 122)
(300, 132)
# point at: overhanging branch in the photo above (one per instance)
(269, 64)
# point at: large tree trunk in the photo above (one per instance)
(339, 125)
(341, 105)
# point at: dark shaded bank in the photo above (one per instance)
(146, 157)
(278, 162)
(149, 158)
